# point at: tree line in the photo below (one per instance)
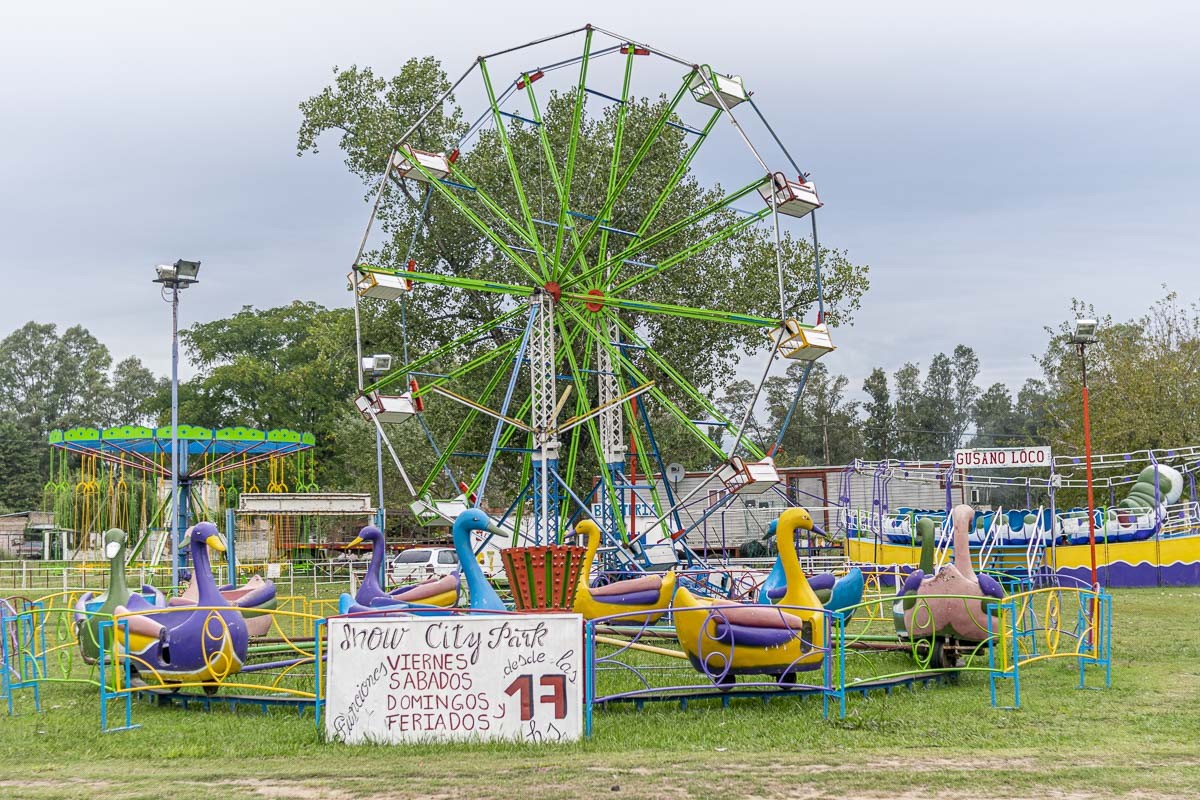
(292, 367)
(1142, 376)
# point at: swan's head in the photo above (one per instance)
(206, 533)
(474, 519)
(585, 529)
(368, 534)
(114, 540)
(963, 515)
(799, 519)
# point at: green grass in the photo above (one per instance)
(1139, 738)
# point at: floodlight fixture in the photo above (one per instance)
(181, 274)
(1085, 331)
(377, 364)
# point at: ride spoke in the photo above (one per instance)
(509, 156)
(693, 250)
(446, 349)
(572, 148)
(448, 194)
(627, 176)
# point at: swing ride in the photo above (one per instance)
(117, 478)
(592, 206)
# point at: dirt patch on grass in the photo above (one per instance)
(40, 788)
(299, 790)
(337, 789)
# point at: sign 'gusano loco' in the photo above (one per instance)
(1002, 458)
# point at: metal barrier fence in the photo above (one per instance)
(716, 655)
(880, 644)
(40, 643)
(716, 651)
(39, 577)
(1046, 624)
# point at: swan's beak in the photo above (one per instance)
(496, 530)
(357, 541)
(818, 530)
(111, 549)
(216, 543)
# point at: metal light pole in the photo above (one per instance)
(1085, 334)
(177, 276)
(378, 365)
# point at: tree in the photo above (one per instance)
(933, 415)
(879, 434)
(824, 425)
(81, 380)
(1143, 378)
(21, 471)
(134, 398)
(52, 381)
(911, 436)
(1032, 410)
(285, 367)
(937, 410)
(733, 405)
(964, 369)
(49, 382)
(997, 422)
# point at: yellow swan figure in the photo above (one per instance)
(646, 593)
(727, 639)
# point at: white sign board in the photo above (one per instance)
(1002, 458)
(477, 677)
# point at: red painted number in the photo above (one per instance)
(557, 696)
(524, 685)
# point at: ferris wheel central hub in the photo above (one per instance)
(553, 289)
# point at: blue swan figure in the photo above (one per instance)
(482, 595)
(480, 591)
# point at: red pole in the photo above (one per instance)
(1093, 639)
(632, 471)
(1087, 453)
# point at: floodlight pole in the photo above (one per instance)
(175, 531)
(1087, 455)
(180, 276)
(381, 512)
(379, 470)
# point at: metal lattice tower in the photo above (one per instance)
(612, 431)
(543, 417)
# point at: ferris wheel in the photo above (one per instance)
(589, 188)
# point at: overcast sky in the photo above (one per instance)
(988, 163)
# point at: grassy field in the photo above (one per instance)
(1140, 738)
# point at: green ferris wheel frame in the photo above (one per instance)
(572, 304)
